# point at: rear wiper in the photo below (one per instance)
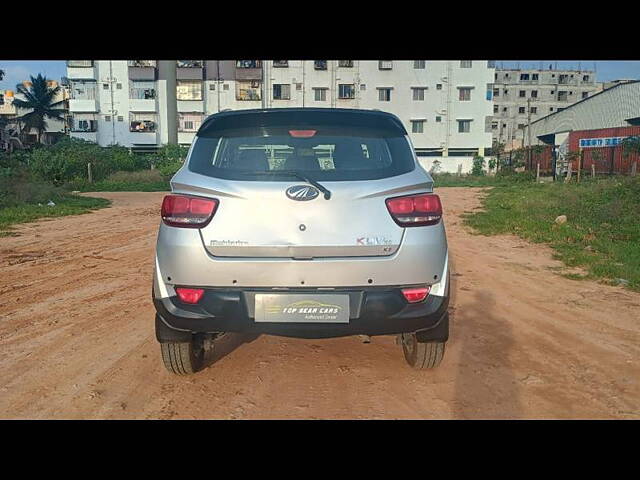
(300, 175)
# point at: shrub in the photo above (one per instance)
(478, 166)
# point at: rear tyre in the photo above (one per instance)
(421, 355)
(183, 358)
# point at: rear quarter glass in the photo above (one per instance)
(335, 152)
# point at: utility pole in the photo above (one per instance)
(529, 126)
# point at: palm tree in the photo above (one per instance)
(39, 100)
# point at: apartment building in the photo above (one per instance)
(445, 105)
(524, 96)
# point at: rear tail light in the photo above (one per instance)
(185, 211)
(415, 295)
(302, 133)
(190, 295)
(415, 210)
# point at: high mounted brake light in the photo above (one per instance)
(302, 133)
(415, 210)
(188, 212)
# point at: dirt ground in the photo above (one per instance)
(77, 337)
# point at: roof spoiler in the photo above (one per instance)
(300, 117)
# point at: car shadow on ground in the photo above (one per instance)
(486, 385)
(222, 346)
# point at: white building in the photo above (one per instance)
(446, 106)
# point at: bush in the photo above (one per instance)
(478, 166)
(67, 160)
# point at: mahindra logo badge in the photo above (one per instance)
(302, 193)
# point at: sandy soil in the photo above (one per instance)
(77, 337)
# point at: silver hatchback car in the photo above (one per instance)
(301, 222)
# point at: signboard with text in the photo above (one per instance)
(600, 142)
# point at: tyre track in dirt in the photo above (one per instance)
(77, 338)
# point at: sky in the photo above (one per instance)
(16, 70)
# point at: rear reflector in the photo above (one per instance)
(415, 210)
(189, 295)
(186, 211)
(415, 295)
(302, 133)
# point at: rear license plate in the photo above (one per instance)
(301, 308)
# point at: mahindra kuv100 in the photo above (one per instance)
(301, 222)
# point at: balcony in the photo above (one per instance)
(248, 70)
(345, 63)
(84, 126)
(143, 128)
(189, 122)
(80, 63)
(80, 69)
(142, 97)
(83, 97)
(189, 69)
(280, 63)
(385, 65)
(320, 64)
(142, 69)
(249, 90)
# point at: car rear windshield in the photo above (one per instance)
(324, 152)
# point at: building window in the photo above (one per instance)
(363, 86)
(105, 86)
(346, 90)
(281, 91)
(534, 76)
(248, 63)
(504, 109)
(496, 108)
(521, 126)
(522, 93)
(534, 110)
(438, 86)
(320, 64)
(248, 90)
(521, 110)
(84, 123)
(585, 94)
(142, 90)
(212, 86)
(225, 86)
(189, 122)
(564, 79)
(464, 126)
(494, 125)
(142, 122)
(418, 93)
(280, 63)
(345, 63)
(534, 93)
(562, 96)
(384, 94)
(551, 109)
(465, 94)
(496, 92)
(118, 86)
(506, 92)
(120, 118)
(585, 78)
(320, 94)
(465, 63)
(417, 126)
(385, 64)
(107, 118)
(524, 76)
(419, 64)
(189, 90)
(438, 119)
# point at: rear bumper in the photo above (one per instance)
(374, 311)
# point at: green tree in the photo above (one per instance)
(39, 100)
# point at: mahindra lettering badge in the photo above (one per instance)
(302, 193)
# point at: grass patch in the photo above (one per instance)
(601, 235)
(65, 205)
(138, 181)
(502, 178)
